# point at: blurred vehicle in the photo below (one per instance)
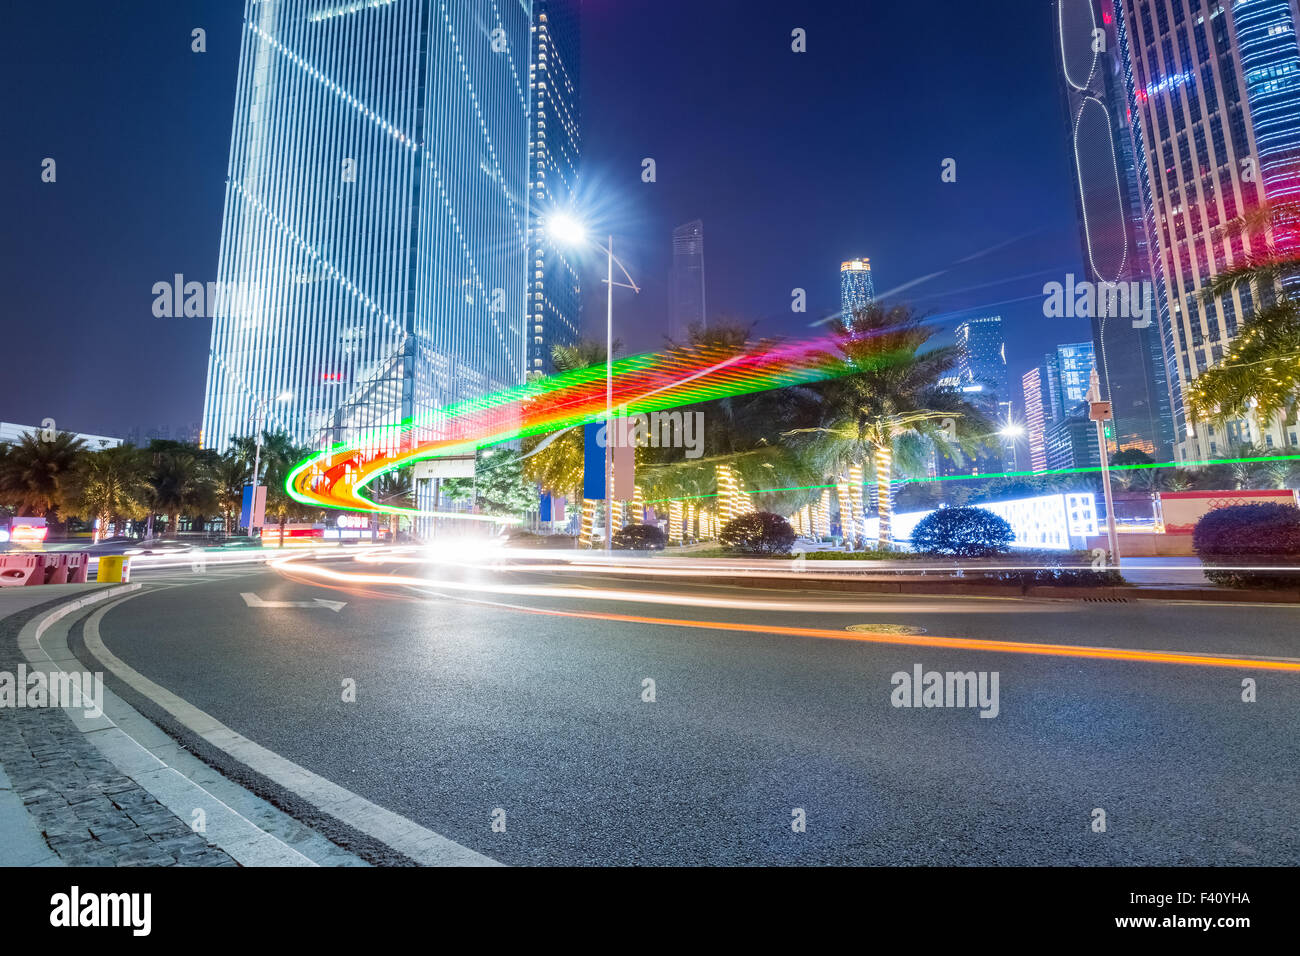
(159, 546)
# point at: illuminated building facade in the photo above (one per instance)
(686, 283)
(1214, 96)
(377, 202)
(1038, 414)
(857, 288)
(554, 303)
(1131, 363)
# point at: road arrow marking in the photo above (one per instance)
(252, 600)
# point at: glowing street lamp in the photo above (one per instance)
(566, 230)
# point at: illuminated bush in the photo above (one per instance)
(963, 532)
(1256, 535)
(759, 533)
(639, 537)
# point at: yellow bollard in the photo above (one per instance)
(114, 569)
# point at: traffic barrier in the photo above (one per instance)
(114, 569)
(43, 568)
(18, 570)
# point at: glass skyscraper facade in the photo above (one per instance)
(1052, 394)
(554, 303)
(377, 203)
(686, 283)
(1214, 100)
(857, 288)
(1129, 350)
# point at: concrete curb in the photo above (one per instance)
(225, 827)
(416, 843)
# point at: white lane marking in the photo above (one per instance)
(228, 829)
(405, 836)
(252, 600)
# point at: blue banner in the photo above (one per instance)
(593, 462)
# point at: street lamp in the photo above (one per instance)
(566, 230)
(1101, 413)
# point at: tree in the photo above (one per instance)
(230, 474)
(1260, 374)
(499, 486)
(35, 471)
(279, 457)
(109, 485)
(180, 481)
(885, 398)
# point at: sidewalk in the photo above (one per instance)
(114, 790)
(61, 801)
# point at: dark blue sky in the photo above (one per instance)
(794, 162)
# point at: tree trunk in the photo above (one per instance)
(883, 458)
(174, 523)
(284, 519)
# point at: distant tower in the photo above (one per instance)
(554, 306)
(857, 291)
(687, 282)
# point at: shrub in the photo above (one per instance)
(1265, 534)
(1061, 568)
(639, 537)
(963, 532)
(759, 533)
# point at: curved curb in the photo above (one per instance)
(417, 843)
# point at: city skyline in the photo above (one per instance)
(614, 146)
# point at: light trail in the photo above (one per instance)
(290, 566)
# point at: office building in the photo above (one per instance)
(375, 219)
(554, 305)
(1214, 96)
(686, 283)
(1126, 329)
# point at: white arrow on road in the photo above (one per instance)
(252, 600)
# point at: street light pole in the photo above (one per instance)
(1101, 412)
(609, 398)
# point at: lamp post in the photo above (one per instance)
(569, 231)
(1101, 413)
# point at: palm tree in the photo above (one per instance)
(884, 404)
(34, 472)
(1261, 372)
(279, 456)
(181, 482)
(230, 475)
(109, 485)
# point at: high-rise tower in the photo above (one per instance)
(377, 204)
(1130, 357)
(554, 306)
(686, 291)
(857, 289)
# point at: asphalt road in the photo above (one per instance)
(470, 701)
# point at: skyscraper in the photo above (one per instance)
(1038, 415)
(554, 309)
(686, 292)
(857, 289)
(1214, 94)
(1130, 358)
(1052, 392)
(982, 359)
(377, 203)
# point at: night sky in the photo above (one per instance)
(794, 162)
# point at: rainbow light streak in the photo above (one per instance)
(641, 383)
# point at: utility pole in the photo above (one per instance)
(1101, 413)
